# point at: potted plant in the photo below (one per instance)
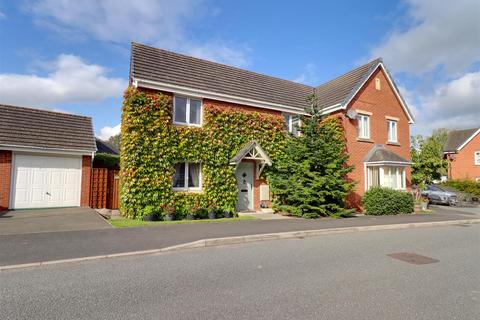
(150, 213)
(227, 213)
(169, 212)
(212, 212)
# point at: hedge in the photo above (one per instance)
(386, 201)
(151, 146)
(106, 160)
(468, 186)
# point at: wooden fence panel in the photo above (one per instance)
(105, 188)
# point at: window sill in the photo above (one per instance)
(392, 143)
(180, 124)
(364, 140)
(187, 190)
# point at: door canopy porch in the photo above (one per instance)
(253, 151)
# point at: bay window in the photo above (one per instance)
(386, 176)
(187, 111)
(188, 176)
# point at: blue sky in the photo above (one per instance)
(73, 56)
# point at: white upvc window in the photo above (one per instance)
(292, 122)
(187, 111)
(187, 177)
(392, 130)
(477, 158)
(386, 176)
(363, 126)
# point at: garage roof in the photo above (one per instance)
(23, 127)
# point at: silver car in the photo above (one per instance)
(437, 195)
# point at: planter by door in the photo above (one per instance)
(244, 175)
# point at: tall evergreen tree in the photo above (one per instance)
(310, 179)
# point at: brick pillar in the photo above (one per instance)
(5, 178)
(86, 176)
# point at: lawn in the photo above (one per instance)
(128, 223)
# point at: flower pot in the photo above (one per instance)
(424, 206)
(212, 215)
(227, 214)
(150, 217)
(190, 216)
(169, 217)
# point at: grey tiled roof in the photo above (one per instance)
(27, 127)
(105, 147)
(163, 66)
(340, 89)
(457, 137)
(379, 153)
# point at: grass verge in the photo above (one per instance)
(129, 223)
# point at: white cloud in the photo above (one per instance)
(70, 80)
(454, 105)
(308, 75)
(2, 15)
(159, 22)
(107, 132)
(441, 33)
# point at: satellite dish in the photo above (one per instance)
(351, 114)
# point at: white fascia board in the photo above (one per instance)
(392, 85)
(380, 163)
(16, 148)
(214, 96)
(468, 140)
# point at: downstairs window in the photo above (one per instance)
(187, 177)
(386, 176)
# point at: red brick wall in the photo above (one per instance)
(463, 167)
(86, 181)
(5, 176)
(380, 103)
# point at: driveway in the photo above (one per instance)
(50, 220)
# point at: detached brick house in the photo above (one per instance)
(45, 158)
(462, 151)
(374, 115)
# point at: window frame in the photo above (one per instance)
(395, 127)
(400, 176)
(290, 123)
(359, 120)
(186, 187)
(476, 159)
(187, 111)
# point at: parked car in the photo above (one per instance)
(437, 195)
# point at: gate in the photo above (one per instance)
(104, 189)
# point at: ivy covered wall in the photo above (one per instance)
(151, 146)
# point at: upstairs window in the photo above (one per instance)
(477, 158)
(292, 122)
(363, 126)
(187, 111)
(392, 130)
(188, 176)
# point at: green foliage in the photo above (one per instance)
(115, 141)
(309, 179)
(386, 201)
(468, 186)
(106, 160)
(427, 157)
(151, 146)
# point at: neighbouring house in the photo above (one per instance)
(462, 151)
(375, 117)
(105, 147)
(45, 158)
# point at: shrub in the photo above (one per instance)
(467, 186)
(386, 201)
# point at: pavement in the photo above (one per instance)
(41, 247)
(337, 276)
(50, 220)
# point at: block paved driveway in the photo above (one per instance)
(50, 220)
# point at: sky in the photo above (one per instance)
(74, 56)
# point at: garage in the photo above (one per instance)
(45, 158)
(46, 181)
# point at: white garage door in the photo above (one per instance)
(46, 181)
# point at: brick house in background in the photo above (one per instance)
(45, 158)
(462, 151)
(375, 117)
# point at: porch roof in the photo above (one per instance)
(380, 154)
(252, 150)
